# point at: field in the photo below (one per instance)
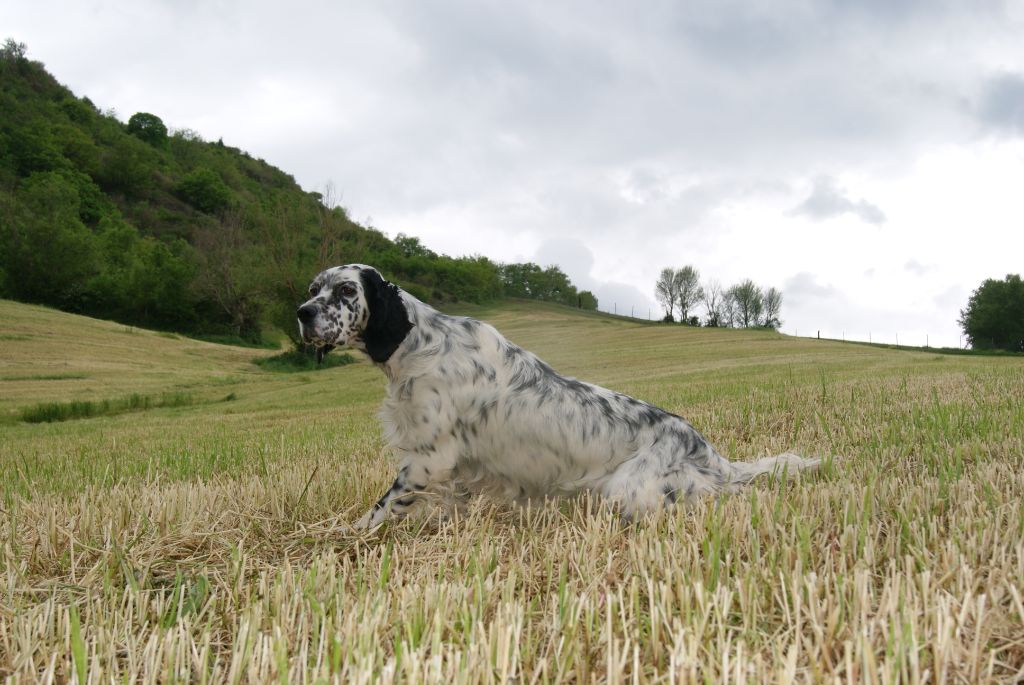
(199, 532)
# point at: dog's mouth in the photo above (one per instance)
(321, 352)
(322, 347)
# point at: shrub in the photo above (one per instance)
(205, 190)
(298, 360)
(149, 128)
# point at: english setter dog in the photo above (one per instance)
(467, 411)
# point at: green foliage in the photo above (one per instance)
(749, 303)
(302, 360)
(127, 167)
(587, 300)
(124, 221)
(148, 128)
(48, 253)
(994, 316)
(13, 51)
(205, 190)
(49, 412)
(531, 281)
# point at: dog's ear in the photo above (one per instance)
(321, 352)
(389, 322)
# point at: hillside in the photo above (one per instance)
(209, 542)
(52, 356)
(139, 223)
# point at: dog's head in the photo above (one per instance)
(354, 305)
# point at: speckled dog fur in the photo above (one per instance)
(469, 412)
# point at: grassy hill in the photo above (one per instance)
(126, 219)
(208, 540)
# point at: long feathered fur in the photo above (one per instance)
(467, 411)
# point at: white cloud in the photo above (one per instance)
(827, 141)
(827, 200)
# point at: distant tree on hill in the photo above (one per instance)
(45, 243)
(711, 297)
(529, 280)
(749, 303)
(665, 292)
(771, 302)
(149, 128)
(994, 316)
(13, 51)
(686, 283)
(587, 300)
(410, 246)
(205, 190)
(128, 167)
(729, 309)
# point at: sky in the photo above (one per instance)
(866, 158)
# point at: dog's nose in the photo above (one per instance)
(306, 314)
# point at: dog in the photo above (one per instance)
(468, 412)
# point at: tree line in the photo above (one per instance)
(743, 305)
(994, 316)
(159, 228)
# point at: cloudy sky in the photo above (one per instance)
(867, 158)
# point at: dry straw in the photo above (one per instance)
(210, 543)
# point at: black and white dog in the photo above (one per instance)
(469, 412)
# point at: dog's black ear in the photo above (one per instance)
(321, 352)
(389, 322)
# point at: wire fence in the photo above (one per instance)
(915, 340)
(908, 340)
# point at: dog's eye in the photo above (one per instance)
(313, 290)
(347, 290)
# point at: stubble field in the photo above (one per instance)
(199, 533)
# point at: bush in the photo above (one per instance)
(148, 128)
(205, 190)
(299, 360)
(994, 317)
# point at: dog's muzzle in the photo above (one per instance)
(306, 315)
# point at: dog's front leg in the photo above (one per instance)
(417, 474)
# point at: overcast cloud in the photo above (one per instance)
(864, 157)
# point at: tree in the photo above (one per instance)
(686, 283)
(712, 297)
(772, 308)
(529, 280)
(410, 246)
(227, 274)
(13, 51)
(127, 167)
(728, 309)
(149, 128)
(587, 300)
(45, 249)
(994, 316)
(665, 291)
(204, 190)
(749, 303)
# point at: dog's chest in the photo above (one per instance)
(414, 413)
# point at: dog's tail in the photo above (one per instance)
(742, 472)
